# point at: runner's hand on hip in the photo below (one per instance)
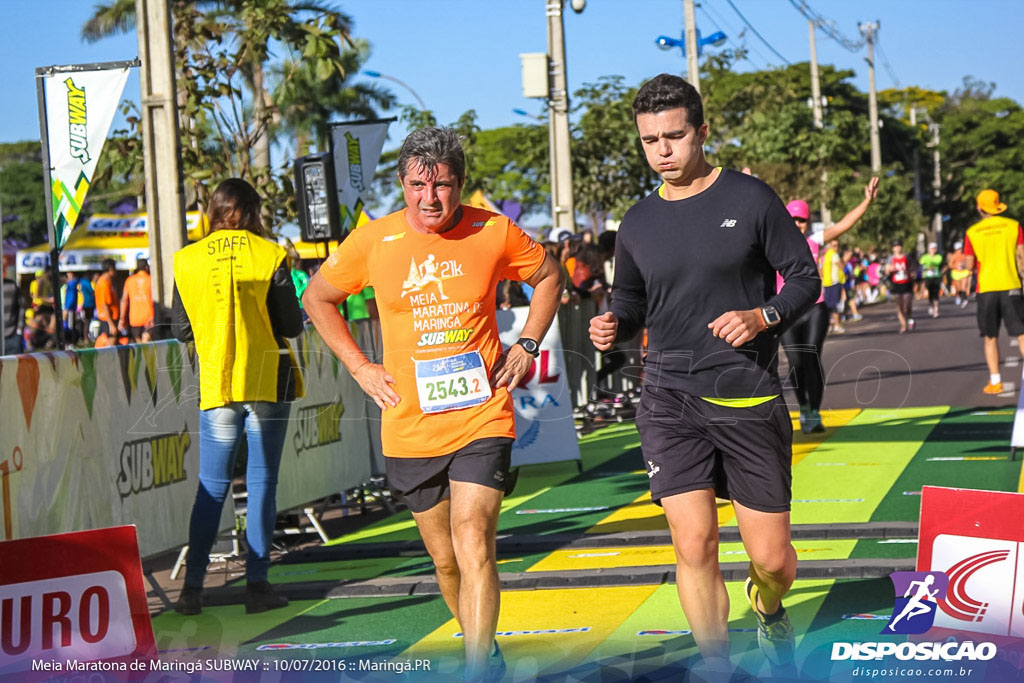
(377, 383)
(603, 329)
(512, 367)
(738, 327)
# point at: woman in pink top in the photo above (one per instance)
(804, 340)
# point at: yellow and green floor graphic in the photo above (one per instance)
(575, 532)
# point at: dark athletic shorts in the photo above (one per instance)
(1006, 307)
(135, 332)
(744, 454)
(422, 483)
(834, 297)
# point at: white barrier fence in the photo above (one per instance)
(104, 437)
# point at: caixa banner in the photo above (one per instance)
(976, 539)
(76, 598)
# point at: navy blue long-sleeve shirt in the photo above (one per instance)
(681, 264)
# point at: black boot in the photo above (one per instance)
(190, 601)
(260, 596)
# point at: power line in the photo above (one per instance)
(728, 30)
(885, 63)
(759, 36)
(826, 25)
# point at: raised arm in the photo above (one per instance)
(850, 219)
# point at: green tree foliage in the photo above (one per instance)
(232, 97)
(980, 146)
(609, 170)
(21, 191)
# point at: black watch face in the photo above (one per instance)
(772, 315)
(529, 345)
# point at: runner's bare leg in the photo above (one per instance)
(772, 557)
(474, 523)
(693, 520)
(435, 529)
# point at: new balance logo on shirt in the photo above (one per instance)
(728, 223)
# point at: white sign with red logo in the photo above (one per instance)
(76, 596)
(545, 431)
(977, 539)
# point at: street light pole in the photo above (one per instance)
(692, 68)
(563, 210)
(869, 29)
(377, 74)
(819, 122)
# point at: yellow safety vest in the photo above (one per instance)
(223, 281)
(994, 241)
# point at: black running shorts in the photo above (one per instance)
(1006, 307)
(422, 483)
(744, 454)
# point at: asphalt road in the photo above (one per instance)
(940, 363)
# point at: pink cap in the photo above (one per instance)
(798, 208)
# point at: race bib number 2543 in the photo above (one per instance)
(452, 383)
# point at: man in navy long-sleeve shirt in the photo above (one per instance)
(696, 263)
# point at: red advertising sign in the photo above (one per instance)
(73, 598)
(977, 539)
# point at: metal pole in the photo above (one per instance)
(869, 29)
(44, 138)
(692, 68)
(917, 157)
(936, 187)
(552, 165)
(165, 209)
(819, 122)
(565, 210)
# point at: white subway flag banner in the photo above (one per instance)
(357, 148)
(80, 106)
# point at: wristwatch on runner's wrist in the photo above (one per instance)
(529, 345)
(770, 316)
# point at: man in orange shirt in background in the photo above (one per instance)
(445, 385)
(137, 304)
(107, 309)
(996, 243)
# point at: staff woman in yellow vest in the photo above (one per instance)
(233, 295)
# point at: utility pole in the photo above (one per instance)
(819, 122)
(692, 69)
(917, 156)
(936, 187)
(165, 208)
(869, 29)
(563, 209)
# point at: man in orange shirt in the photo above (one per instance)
(445, 384)
(137, 304)
(107, 302)
(996, 244)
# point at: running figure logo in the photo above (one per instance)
(654, 469)
(914, 612)
(422, 275)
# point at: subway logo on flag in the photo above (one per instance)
(77, 122)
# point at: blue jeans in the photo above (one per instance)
(220, 433)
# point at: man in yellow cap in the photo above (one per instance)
(996, 244)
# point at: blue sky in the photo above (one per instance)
(464, 54)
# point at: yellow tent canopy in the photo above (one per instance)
(119, 237)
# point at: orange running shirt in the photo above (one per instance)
(105, 295)
(436, 297)
(140, 299)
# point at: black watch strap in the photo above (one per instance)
(529, 345)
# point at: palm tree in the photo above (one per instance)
(305, 103)
(216, 39)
